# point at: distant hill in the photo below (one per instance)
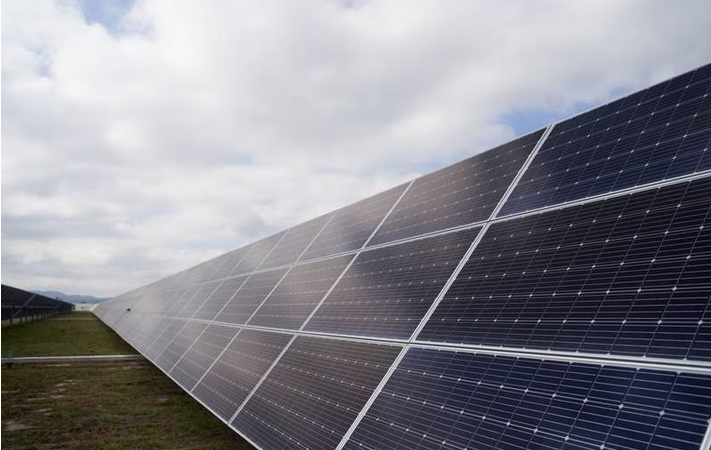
(71, 298)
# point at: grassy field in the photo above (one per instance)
(76, 333)
(102, 405)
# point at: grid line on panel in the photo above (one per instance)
(353, 225)
(316, 236)
(578, 266)
(308, 318)
(206, 291)
(232, 260)
(179, 344)
(390, 211)
(239, 368)
(292, 245)
(450, 281)
(656, 133)
(249, 263)
(314, 392)
(372, 398)
(228, 287)
(521, 172)
(201, 354)
(606, 196)
(261, 380)
(450, 399)
(387, 291)
(255, 289)
(239, 330)
(286, 273)
(297, 295)
(706, 443)
(462, 193)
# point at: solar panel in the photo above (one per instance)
(256, 254)
(220, 297)
(177, 346)
(170, 330)
(202, 294)
(461, 194)
(238, 370)
(455, 400)
(628, 275)
(231, 260)
(294, 242)
(252, 293)
(313, 393)
(201, 354)
(351, 226)
(655, 134)
(298, 293)
(386, 291)
(576, 317)
(17, 303)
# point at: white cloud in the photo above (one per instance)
(200, 126)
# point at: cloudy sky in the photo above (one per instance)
(142, 137)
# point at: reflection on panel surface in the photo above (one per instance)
(298, 293)
(461, 194)
(657, 133)
(252, 293)
(223, 294)
(201, 354)
(294, 243)
(440, 399)
(314, 393)
(238, 369)
(387, 291)
(351, 226)
(628, 275)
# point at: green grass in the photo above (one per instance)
(100, 405)
(58, 336)
(105, 406)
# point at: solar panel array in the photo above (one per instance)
(553, 292)
(19, 305)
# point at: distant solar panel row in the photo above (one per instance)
(573, 313)
(17, 303)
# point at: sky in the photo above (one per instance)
(142, 137)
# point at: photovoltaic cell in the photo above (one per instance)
(314, 393)
(230, 262)
(294, 243)
(351, 226)
(171, 329)
(238, 370)
(440, 399)
(628, 275)
(250, 296)
(298, 293)
(256, 253)
(193, 305)
(387, 291)
(195, 362)
(461, 194)
(220, 297)
(178, 345)
(655, 134)
(178, 299)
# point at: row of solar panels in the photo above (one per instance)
(550, 293)
(17, 303)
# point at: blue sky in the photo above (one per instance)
(108, 14)
(140, 138)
